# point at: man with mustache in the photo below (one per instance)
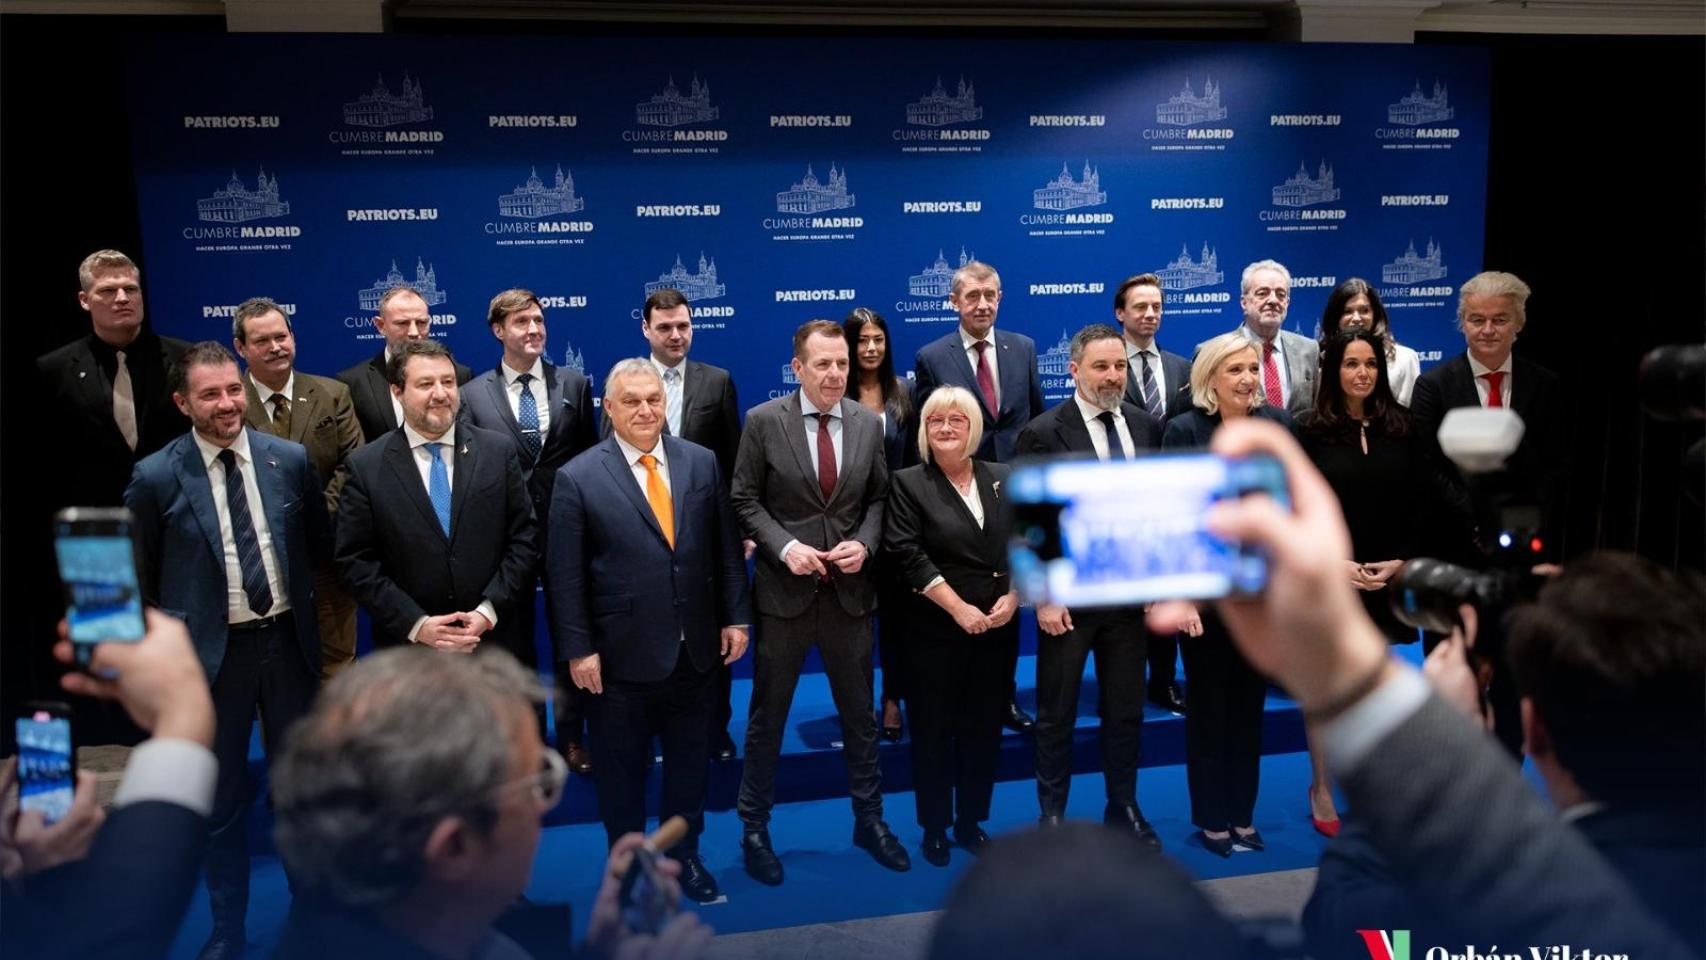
(435, 531)
(315, 412)
(1288, 360)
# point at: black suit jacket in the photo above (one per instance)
(1539, 470)
(370, 391)
(710, 414)
(1062, 430)
(78, 391)
(1176, 377)
(928, 532)
(395, 558)
(568, 394)
(1193, 429)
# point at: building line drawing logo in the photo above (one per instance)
(1411, 268)
(1183, 273)
(702, 285)
(380, 107)
(672, 108)
(425, 284)
(236, 203)
(533, 200)
(1053, 361)
(1187, 109)
(573, 359)
(938, 108)
(811, 195)
(1066, 193)
(1302, 190)
(937, 280)
(1416, 108)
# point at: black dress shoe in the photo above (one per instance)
(877, 840)
(1169, 697)
(722, 746)
(971, 837)
(935, 848)
(762, 863)
(1048, 820)
(1249, 841)
(696, 881)
(1222, 846)
(1018, 720)
(222, 945)
(1131, 818)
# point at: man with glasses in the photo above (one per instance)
(1288, 360)
(649, 599)
(999, 368)
(407, 845)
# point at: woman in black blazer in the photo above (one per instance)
(946, 532)
(1223, 727)
(889, 397)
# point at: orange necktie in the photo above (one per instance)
(658, 496)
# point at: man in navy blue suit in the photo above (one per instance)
(649, 581)
(998, 367)
(229, 523)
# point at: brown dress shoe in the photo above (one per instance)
(579, 760)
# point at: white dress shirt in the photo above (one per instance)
(1402, 371)
(423, 463)
(236, 599)
(673, 393)
(1135, 362)
(536, 386)
(1279, 362)
(169, 770)
(265, 393)
(1099, 431)
(633, 454)
(1482, 387)
(809, 418)
(966, 344)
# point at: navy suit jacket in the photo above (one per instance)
(568, 395)
(396, 560)
(620, 590)
(370, 392)
(1176, 376)
(183, 557)
(943, 362)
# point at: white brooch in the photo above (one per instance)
(995, 488)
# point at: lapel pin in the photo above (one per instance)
(272, 463)
(464, 449)
(82, 373)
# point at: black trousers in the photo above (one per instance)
(263, 668)
(1117, 639)
(622, 720)
(1223, 729)
(722, 688)
(893, 643)
(844, 642)
(1163, 661)
(956, 706)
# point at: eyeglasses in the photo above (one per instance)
(958, 421)
(1278, 293)
(547, 782)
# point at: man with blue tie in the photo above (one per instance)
(229, 522)
(435, 531)
(999, 368)
(650, 597)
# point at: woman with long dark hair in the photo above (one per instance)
(1355, 305)
(876, 387)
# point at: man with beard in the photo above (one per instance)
(435, 532)
(229, 522)
(1097, 421)
(1288, 360)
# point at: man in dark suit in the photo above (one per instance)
(1289, 361)
(651, 596)
(315, 412)
(229, 524)
(701, 407)
(1159, 383)
(809, 487)
(435, 533)
(403, 316)
(547, 411)
(1094, 421)
(998, 367)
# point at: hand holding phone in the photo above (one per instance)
(97, 566)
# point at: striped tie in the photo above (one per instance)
(243, 530)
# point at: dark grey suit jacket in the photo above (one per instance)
(776, 498)
(370, 392)
(321, 419)
(1176, 381)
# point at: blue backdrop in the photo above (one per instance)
(777, 180)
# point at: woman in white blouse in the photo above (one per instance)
(1355, 305)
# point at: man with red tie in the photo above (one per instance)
(1289, 360)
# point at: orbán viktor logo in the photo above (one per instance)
(380, 107)
(701, 285)
(1386, 944)
(236, 203)
(1066, 193)
(1411, 267)
(425, 284)
(810, 195)
(533, 200)
(672, 108)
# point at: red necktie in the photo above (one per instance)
(825, 457)
(1270, 377)
(985, 379)
(1495, 388)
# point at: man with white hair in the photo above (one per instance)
(1288, 360)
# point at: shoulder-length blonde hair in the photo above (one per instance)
(1208, 361)
(950, 400)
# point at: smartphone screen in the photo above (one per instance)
(97, 564)
(45, 780)
(1090, 533)
(646, 904)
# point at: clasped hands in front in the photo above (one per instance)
(975, 621)
(848, 556)
(454, 632)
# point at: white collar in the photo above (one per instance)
(211, 451)
(416, 439)
(633, 454)
(1478, 369)
(510, 374)
(809, 409)
(265, 393)
(966, 339)
(1090, 410)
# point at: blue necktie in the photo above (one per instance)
(254, 573)
(529, 417)
(438, 487)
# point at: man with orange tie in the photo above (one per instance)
(644, 561)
